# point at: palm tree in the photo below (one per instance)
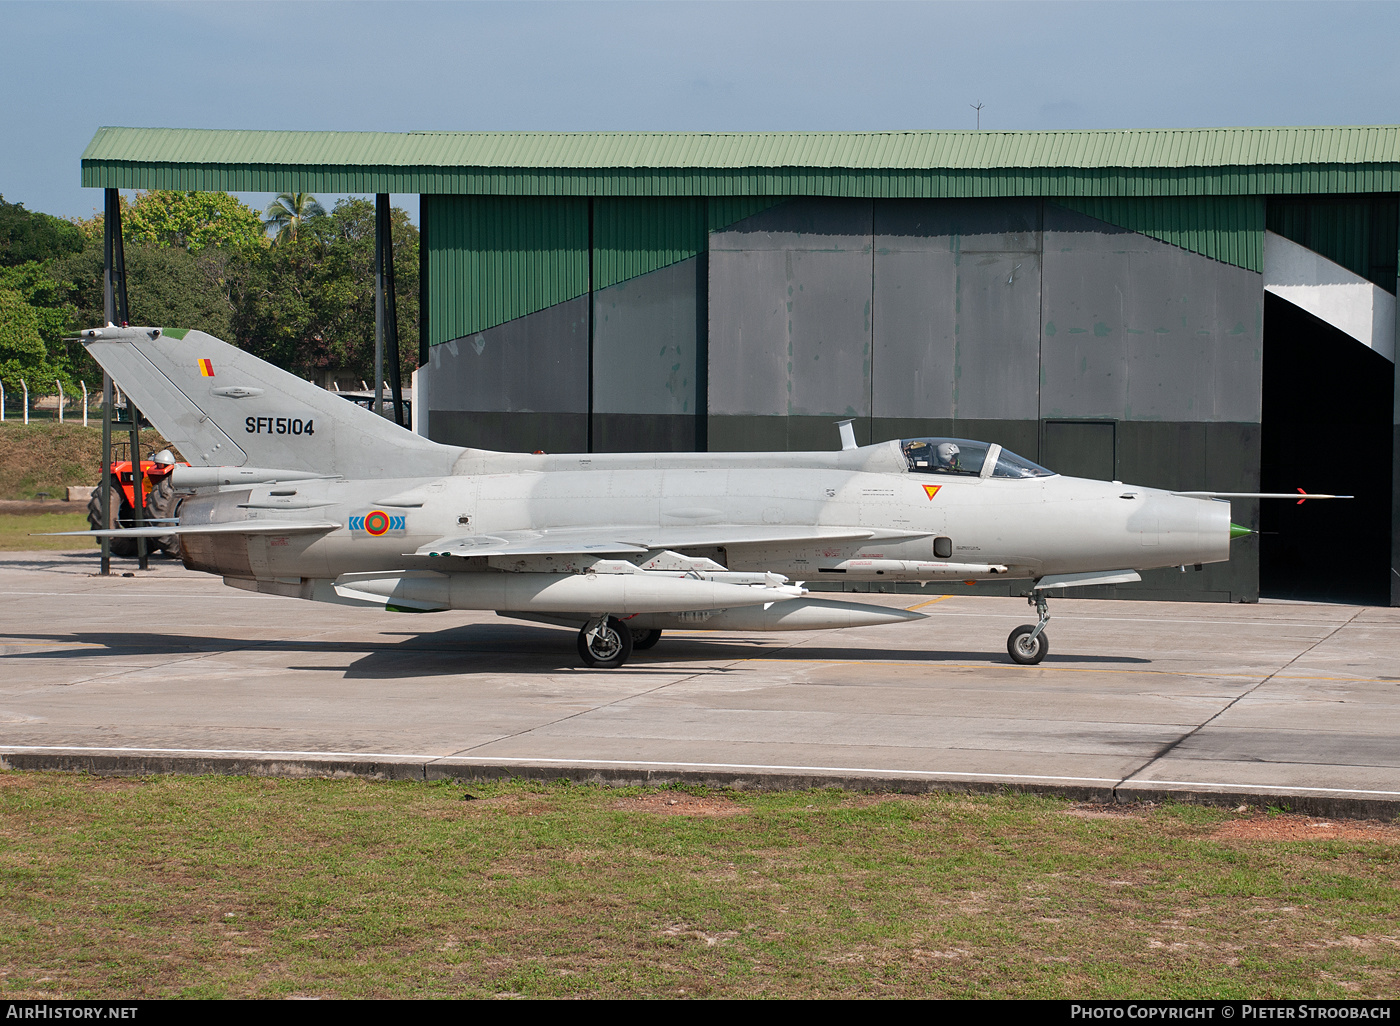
(286, 213)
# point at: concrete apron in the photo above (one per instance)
(1289, 705)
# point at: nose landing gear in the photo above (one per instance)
(1028, 644)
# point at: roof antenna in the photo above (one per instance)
(978, 108)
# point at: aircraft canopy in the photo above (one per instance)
(966, 457)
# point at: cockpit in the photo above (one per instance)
(962, 456)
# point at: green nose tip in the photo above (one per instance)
(1236, 531)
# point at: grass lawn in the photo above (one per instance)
(245, 887)
(46, 456)
(15, 531)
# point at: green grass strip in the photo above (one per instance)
(266, 888)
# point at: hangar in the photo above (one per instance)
(1190, 309)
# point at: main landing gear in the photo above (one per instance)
(1028, 644)
(643, 640)
(604, 643)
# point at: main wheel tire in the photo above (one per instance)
(1025, 649)
(608, 648)
(120, 515)
(643, 640)
(164, 503)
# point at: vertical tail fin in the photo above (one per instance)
(223, 407)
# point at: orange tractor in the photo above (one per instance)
(160, 502)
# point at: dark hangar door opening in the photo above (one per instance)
(1326, 428)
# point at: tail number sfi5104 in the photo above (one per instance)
(279, 426)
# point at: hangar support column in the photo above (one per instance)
(386, 314)
(1395, 463)
(116, 311)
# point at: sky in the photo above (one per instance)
(71, 67)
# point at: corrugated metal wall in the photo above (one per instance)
(1225, 228)
(1358, 232)
(726, 210)
(634, 236)
(492, 259)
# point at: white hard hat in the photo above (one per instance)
(165, 458)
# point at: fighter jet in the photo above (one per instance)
(293, 491)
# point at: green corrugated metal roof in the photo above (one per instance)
(1138, 148)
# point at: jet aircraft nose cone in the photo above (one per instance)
(1236, 531)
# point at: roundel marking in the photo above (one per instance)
(376, 522)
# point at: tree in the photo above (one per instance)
(26, 236)
(167, 287)
(193, 221)
(91, 228)
(308, 304)
(22, 350)
(34, 312)
(288, 212)
(50, 312)
(178, 248)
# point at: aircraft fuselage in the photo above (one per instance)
(1026, 528)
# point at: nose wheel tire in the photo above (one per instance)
(1026, 647)
(643, 640)
(605, 645)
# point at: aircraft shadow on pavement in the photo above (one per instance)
(468, 649)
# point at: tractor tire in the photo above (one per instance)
(164, 502)
(119, 516)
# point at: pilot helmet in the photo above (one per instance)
(947, 454)
(165, 458)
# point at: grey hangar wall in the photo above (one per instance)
(1086, 346)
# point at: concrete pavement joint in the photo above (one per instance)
(242, 647)
(597, 708)
(1076, 618)
(1172, 746)
(938, 663)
